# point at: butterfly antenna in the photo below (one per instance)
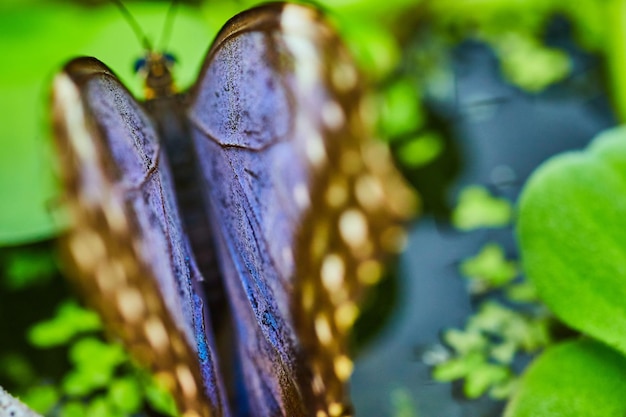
(168, 25)
(134, 25)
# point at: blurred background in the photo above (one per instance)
(473, 95)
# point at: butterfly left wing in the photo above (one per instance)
(125, 243)
(304, 203)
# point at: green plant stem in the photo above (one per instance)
(616, 54)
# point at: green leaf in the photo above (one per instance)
(482, 378)
(73, 409)
(101, 407)
(16, 367)
(464, 342)
(402, 403)
(84, 351)
(160, 399)
(458, 367)
(69, 321)
(477, 208)
(125, 394)
(80, 383)
(524, 292)
(528, 63)
(421, 150)
(504, 352)
(41, 398)
(574, 379)
(490, 267)
(401, 111)
(572, 234)
(28, 267)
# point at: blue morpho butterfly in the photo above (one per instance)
(268, 165)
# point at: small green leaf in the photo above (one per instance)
(49, 333)
(101, 407)
(73, 409)
(464, 342)
(160, 399)
(504, 352)
(28, 267)
(402, 403)
(373, 46)
(492, 317)
(421, 150)
(125, 394)
(458, 367)
(523, 292)
(69, 321)
(490, 267)
(575, 379)
(95, 363)
(41, 398)
(504, 389)
(401, 111)
(80, 383)
(84, 351)
(571, 232)
(477, 208)
(16, 367)
(530, 64)
(480, 379)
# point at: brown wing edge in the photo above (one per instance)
(103, 252)
(359, 204)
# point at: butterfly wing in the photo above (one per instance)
(303, 203)
(126, 245)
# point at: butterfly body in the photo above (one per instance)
(276, 183)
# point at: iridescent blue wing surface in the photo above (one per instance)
(303, 202)
(126, 243)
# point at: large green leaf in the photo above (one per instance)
(574, 379)
(572, 231)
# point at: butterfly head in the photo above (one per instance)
(156, 69)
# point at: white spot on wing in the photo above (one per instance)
(332, 115)
(333, 271)
(353, 227)
(344, 76)
(315, 150)
(68, 98)
(301, 195)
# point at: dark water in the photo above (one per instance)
(502, 135)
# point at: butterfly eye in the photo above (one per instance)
(169, 59)
(140, 65)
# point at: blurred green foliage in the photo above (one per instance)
(508, 323)
(484, 351)
(102, 379)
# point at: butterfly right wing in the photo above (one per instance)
(125, 244)
(305, 204)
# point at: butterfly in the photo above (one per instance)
(261, 182)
